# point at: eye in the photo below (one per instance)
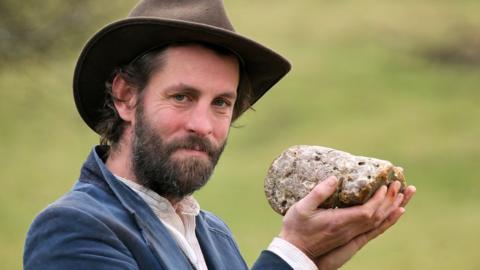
(220, 102)
(180, 97)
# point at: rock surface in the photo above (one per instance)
(297, 170)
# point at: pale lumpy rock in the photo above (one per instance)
(297, 171)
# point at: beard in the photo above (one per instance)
(155, 168)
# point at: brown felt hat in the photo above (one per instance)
(153, 23)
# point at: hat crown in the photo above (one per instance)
(153, 23)
(209, 12)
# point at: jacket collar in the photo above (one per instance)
(153, 231)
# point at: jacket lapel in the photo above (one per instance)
(152, 229)
(210, 253)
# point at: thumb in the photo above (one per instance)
(319, 194)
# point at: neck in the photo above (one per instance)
(173, 201)
(119, 161)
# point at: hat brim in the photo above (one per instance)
(120, 42)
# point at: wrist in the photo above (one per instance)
(291, 254)
(297, 244)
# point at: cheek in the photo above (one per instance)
(221, 130)
(167, 124)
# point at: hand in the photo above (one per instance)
(339, 256)
(318, 232)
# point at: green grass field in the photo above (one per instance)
(393, 80)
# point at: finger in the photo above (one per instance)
(393, 190)
(408, 194)
(337, 257)
(340, 255)
(390, 197)
(319, 194)
(361, 240)
(392, 219)
(376, 201)
(361, 217)
(398, 201)
(392, 200)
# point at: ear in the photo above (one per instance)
(124, 98)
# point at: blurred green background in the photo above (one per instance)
(396, 80)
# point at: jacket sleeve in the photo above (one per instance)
(68, 238)
(270, 261)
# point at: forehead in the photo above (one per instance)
(199, 52)
(218, 50)
(199, 66)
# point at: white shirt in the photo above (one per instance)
(181, 224)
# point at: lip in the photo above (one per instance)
(191, 152)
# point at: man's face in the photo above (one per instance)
(182, 120)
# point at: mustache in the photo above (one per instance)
(192, 142)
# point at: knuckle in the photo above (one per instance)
(367, 214)
(336, 223)
(377, 222)
(333, 230)
(379, 217)
(318, 193)
(334, 227)
(337, 231)
(300, 212)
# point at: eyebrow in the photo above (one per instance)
(191, 90)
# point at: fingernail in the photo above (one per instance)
(402, 210)
(399, 184)
(332, 181)
(399, 199)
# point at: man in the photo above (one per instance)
(162, 88)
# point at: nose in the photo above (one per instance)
(200, 121)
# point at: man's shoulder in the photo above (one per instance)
(77, 228)
(85, 209)
(85, 200)
(85, 196)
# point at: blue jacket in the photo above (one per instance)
(103, 224)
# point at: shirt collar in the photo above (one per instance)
(187, 206)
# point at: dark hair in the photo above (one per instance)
(137, 74)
